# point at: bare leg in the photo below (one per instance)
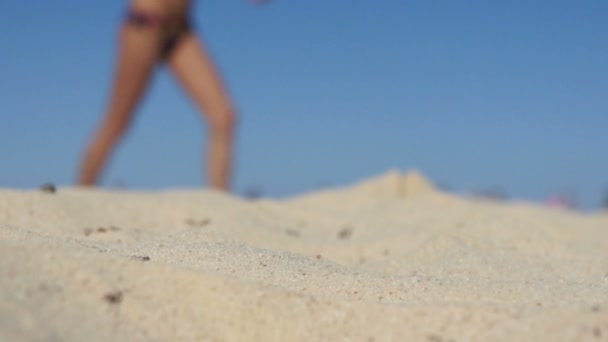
(137, 58)
(194, 69)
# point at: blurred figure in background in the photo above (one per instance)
(155, 32)
(563, 200)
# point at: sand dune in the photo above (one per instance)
(390, 258)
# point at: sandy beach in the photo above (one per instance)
(387, 259)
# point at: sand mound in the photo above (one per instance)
(389, 258)
(392, 184)
(395, 184)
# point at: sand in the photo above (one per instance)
(390, 258)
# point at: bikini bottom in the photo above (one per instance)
(173, 28)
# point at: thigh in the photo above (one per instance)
(193, 66)
(157, 6)
(161, 6)
(136, 61)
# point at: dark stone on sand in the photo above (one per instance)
(142, 258)
(113, 297)
(198, 223)
(48, 188)
(345, 233)
(292, 232)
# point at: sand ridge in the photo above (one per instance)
(389, 258)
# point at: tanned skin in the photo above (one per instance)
(138, 56)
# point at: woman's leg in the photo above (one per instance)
(193, 67)
(138, 55)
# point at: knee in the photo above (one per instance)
(224, 122)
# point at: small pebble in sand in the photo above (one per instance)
(434, 338)
(113, 297)
(345, 233)
(198, 223)
(48, 188)
(89, 231)
(292, 232)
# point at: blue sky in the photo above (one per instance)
(476, 95)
